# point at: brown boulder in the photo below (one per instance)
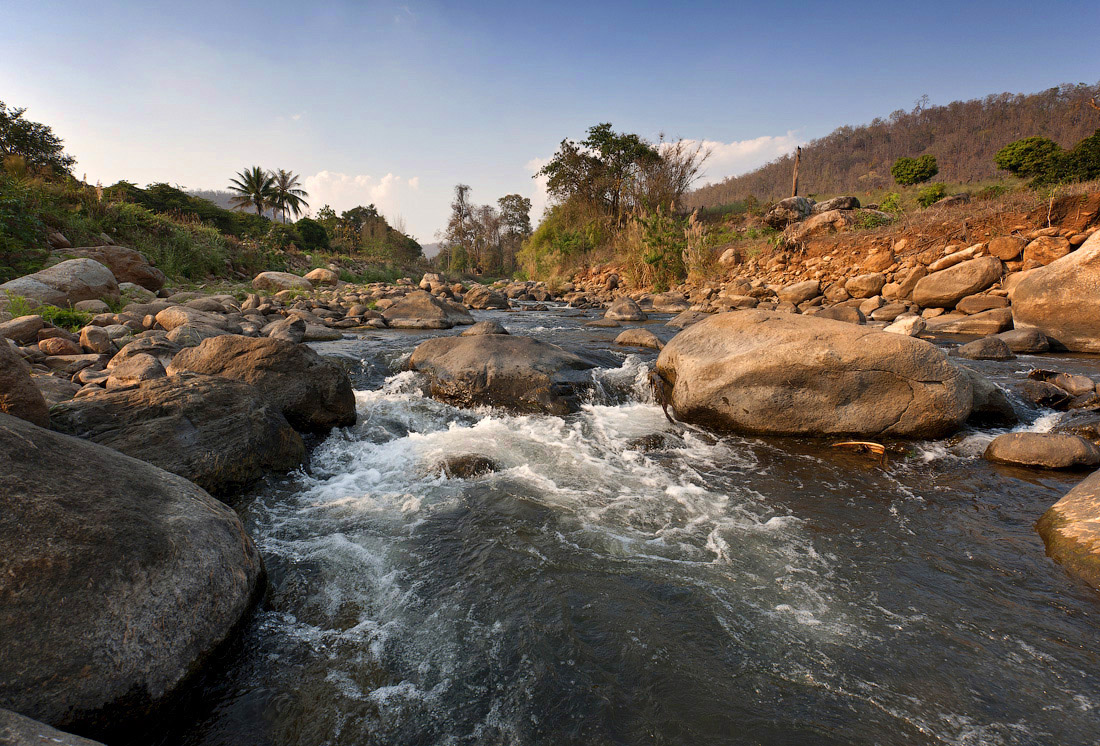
(314, 394)
(1046, 249)
(1006, 248)
(947, 287)
(1043, 450)
(66, 283)
(218, 433)
(1062, 299)
(785, 374)
(19, 397)
(1071, 530)
(421, 310)
(125, 264)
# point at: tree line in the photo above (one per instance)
(484, 239)
(964, 137)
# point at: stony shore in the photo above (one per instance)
(116, 435)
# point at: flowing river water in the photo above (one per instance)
(621, 580)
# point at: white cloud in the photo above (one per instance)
(391, 194)
(741, 156)
(539, 197)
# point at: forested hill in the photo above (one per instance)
(963, 135)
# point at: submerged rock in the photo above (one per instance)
(784, 374)
(520, 374)
(467, 466)
(217, 432)
(1071, 530)
(118, 580)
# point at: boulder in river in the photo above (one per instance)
(1062, 299)
(1043, 450)
(118, 579)
(314, 394)
(479, 296)
(624, 309)
(484, 327)
(520, 374)
(639, 338)
(986, 348)
(1071, 530)
(421, 310)
(785, 374)
(217, 432)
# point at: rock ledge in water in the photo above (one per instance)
(1071, 530)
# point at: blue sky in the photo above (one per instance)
(395, 102)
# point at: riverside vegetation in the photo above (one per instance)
(139, 410)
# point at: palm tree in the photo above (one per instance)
(288, 194)
(255, 187)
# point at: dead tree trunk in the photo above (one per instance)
(797, 158)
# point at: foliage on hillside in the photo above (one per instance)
(964, 136)
(615, 193)
(484, 239)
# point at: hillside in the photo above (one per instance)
(963, 136)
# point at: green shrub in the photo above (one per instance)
(66, 318)
(282, 237)
(869, 220)
(313, 235)
(931, 194)
(1031, 157)
(991, 192)
(891, 203)
(909, 171)
(22, 232)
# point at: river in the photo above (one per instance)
(621, 580)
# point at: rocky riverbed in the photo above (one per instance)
(502, 514)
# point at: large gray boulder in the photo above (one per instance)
(275, 282)
(947, 287)
(17, 730)
(421, 310)
(787, 211)
(624, 309)
(314, 394)
(118, 580)
(837, 203)
(19, 397)
(1062, 299)
(66, 284)
(219, 433)
(785, 374)
(1071, 530)
(520, 374)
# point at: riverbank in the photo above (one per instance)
(445, 436)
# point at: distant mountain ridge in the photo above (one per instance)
(963, 135)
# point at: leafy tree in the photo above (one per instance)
(287, 193)
(910, 171)
(253, 187)
(1029, 158)
(931, 194)
(313, 234)
(599, 169)
(1084, 159)
(34, 142)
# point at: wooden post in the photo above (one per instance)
(797, 158)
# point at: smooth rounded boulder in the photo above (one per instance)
(784, 374)
(278, 281)
(1071, 530)
(1062, 299)
(421, 310)
(66, 283)
(1043, 450)
(624, 309)
(314, 394)
(118, 580)
(217, 432)
(947, 287)
(127, 265)
(520, 374)
(479, 296)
